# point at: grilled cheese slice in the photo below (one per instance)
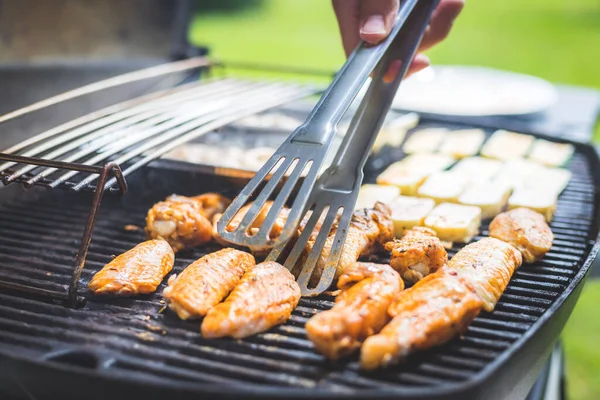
(462, 143)
(443, 187)
(551, 179)
(516, 173)
(393, 132)
(409, 173)
(490, 197)
(408, 212)
(551, 154)
(370, 194)
(424, 141)
(536, 199)
(504, 145)
(454, 222)
(477, 169)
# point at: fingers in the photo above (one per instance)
(441, 22)
(347, 14)
(421, 61)
(376, 19)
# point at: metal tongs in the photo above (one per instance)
(330, 197)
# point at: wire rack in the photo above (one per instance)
(95, 152)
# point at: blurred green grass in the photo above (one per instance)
(581, 344)
(554, 39)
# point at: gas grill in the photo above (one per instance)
(118, 348)
(57, 340)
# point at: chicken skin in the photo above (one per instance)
(526, 230)
(417, 254)
(486, 266)
(184, 221)
(206, 282)
(369, 230)
(433, 311)
(360, 310)
(254, 226)
(443, 304)
(265, 297)
(137, 271)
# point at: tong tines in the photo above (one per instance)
(326, 202)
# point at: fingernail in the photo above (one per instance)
(422, 58)
(373, 25)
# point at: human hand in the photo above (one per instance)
(372, 21)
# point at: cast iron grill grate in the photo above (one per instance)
(131, 337)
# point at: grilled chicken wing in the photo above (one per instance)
(486, 266)
(139, 270)
(433, 311)
(360, 310)
(417, 254)
(206, 282)
(369, 230)
(211, 203)
(526, 230)
(266, 296)
(184, 221)
(255, 225)
(443, 304)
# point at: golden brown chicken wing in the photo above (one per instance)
(525, 229)
(266, 296)
(369, 230)
(206, 282)
(360, 310)
(254, 226)
(212, 203)
(418, 254)
(486, 266)
(139, 270)
(433, 311)
(184, 221)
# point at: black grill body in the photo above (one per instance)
(129, 348)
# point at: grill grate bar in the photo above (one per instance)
(128, 333)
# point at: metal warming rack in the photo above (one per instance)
(82, 154)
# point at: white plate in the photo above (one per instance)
(474, 91)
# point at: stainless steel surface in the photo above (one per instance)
(134, 128)
(337, 188)
(305, 149)
(135, 76)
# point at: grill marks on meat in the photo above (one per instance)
(206, 282)
(184, 221)
(369, 230)
(139, 270)
(265, 297)
(360, 310)
(486, 266)
(526, 230)
(417, 254)
(442, 305)
(430, 313)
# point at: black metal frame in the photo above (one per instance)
(70, 297)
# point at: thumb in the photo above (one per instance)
(376, 19)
